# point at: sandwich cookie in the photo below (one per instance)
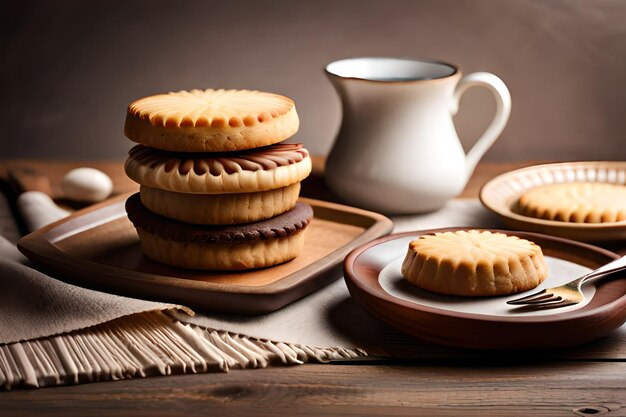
(220, 188)
(253, 245)
(211, 120)
(262, 169)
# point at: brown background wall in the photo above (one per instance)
(69, 68)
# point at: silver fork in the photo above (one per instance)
(570, 293)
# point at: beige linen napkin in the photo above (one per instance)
(55, 333)
(33, 305)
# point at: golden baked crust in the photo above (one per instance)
(474, 263)
(220, 208)
(211, 120)
(262, 169)
(575, 202)
(221, 256)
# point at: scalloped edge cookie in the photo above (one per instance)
(474, 263)
(211, 120)
(220, 208)
(575, 203)
(262, 169)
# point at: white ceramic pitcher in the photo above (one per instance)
(397, 150)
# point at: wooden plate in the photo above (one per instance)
(605, 312)
(98, 248)
(502, 193)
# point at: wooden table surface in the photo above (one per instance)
(587, 380)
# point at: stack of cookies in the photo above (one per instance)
(218, 190)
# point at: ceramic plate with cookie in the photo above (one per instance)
(450, 286)
(583, 201)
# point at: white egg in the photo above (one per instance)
(88, 185)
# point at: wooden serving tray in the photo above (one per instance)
(98, 248)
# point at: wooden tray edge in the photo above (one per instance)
(40, 250)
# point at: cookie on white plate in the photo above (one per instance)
(474, 263)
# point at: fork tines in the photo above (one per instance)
(540, 297)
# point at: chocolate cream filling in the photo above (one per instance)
(264, 158)
(288, 223)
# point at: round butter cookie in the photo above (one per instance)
(253, 245)
(575, 202)
(220, 208)
(211, 120)
(262, 169)
(474, 263)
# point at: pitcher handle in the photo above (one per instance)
(503, 110)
